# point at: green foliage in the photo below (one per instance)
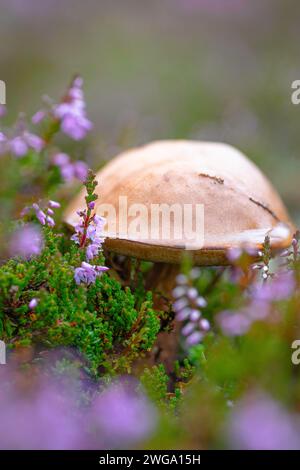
(157, 383)
(101, 320)
(90, 185)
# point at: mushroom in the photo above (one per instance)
(240, 205)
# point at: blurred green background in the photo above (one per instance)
(203, 69)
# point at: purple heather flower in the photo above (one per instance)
(61, 159)
(204, 324)
(38, 117)
(21, 144)
(50, 221)
(80, 170)
(27, 241)
(187, 307)
(200, 302)
(233, 323)
(34, 141)
(295, 247)
(44, 219)
(77, 83)
(88, 235)
(233, 254)
(179, 291)
(54, 204)
(192, 293)
(260, 423)
(295, 244)
(194, 273)
(181, 279)
(92, 251)
(180, 304)
(88, 273)
(75, 126)
(194, 338)
(78, 232)
(33, 303)
(18, 146)
(69, 170)
(71, 112)
(99, 222)
(41, 216)
(93, 235)
(188, 329)
(258, 310)
(195, 333)
(279, 288)
(184, 314)
(195, 315)
(123, 414)
(85, 274)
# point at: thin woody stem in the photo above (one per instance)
(85, 227)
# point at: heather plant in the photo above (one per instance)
(100, 319)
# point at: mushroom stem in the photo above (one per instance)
(218, 275)
(162, 278)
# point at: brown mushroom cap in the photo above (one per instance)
(240, 204)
